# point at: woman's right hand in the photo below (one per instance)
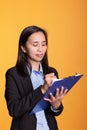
(48, 81)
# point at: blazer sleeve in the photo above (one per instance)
(19, 105)
(55, 113)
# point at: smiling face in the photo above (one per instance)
(35, 47)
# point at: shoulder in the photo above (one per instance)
(12, 71)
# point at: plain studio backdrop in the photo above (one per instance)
(66, 24)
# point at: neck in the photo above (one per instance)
(34, 65)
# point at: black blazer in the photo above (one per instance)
(21, 99)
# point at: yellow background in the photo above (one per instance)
(66, 24)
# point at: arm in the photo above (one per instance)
(17, 103)
(56, 106)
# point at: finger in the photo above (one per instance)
(54, 78)
(57, 92)
(49, 75)
(65, 91)
(62, 90)
(51, 96)
(47, 99)
(52, 74)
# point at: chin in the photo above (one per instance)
(39, 60)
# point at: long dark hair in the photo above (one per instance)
(22, 57)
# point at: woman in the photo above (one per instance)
(28, 81)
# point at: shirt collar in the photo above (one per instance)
(40, 71)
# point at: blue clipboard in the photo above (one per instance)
(67, 83)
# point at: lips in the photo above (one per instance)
(39, 55)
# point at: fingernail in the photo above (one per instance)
(50, 93)
(57, 89)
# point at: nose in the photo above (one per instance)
(39, 48)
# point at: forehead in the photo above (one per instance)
(37, 36)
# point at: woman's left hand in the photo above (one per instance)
(56, 100)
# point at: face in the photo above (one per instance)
(35, 47)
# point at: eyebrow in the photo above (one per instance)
(37, 41)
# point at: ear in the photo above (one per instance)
(23, 49)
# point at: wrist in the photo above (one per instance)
(56, 107)
(44, 88)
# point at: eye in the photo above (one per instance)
(35, 45)
(44, 44)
